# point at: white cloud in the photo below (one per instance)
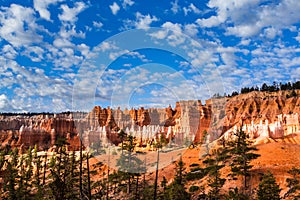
(114, 8)
(247, 30)
(3, 101)
(271, 32)
(176, 37)
(97, 24)
(9, 52)
(62, 42)
(298, 37)
(70, 14)
(70, 31)
(210, 22)
(191, 8)
(172, 27)
(175, 7)
(42, 7)
(35, 53)
(295, 73)
(247, 18)
(235, 10)
(114, 55)
(13, 21)
(127, 3)
(84, 49)
(191, 29)
(245, 42)
(144, 21)
(122, 86)
(135, 54)
(105, 46)
(32, 90)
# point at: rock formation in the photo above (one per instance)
(262, 115)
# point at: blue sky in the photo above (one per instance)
(59, 55)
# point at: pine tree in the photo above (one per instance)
(122, 135)
(62, 180)
(235, 194)
(36, 182)
(10, 177)
(214, 163)
(268, 188)
(242, 153)
(129, 164)
(293, 184)
(28, 174)
(176, 190)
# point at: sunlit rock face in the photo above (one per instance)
(263, 115)
(40, 130)
(260, 114)
(148, 124)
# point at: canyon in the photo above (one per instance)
(262, 115)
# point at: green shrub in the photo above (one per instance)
(194, 188)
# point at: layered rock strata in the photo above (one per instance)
(261, 114)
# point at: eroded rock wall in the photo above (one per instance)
(261, 114)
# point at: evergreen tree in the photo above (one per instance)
(176, 190)
(122, 135)
(10, 176)
(63, 178)
(242, 153)
(37, 176)
(214, 163)
(235, 194)
(130, 166)
(27, 175)
(268, 188)
(293, 184)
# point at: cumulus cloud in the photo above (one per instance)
(32, 90)
(3, 101)
(164, 85)
(141, 21)
(114, 8)
(191, 8)
(175, 33)
(9, 52)
(35, 53)
(144, 21)
(70, 14)
(175, 7)
(298, 37)
(42, 7)
(97, 24)
(271, 32)
(13, 21)
(127, 3)
(248, 18)
(191, 29)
